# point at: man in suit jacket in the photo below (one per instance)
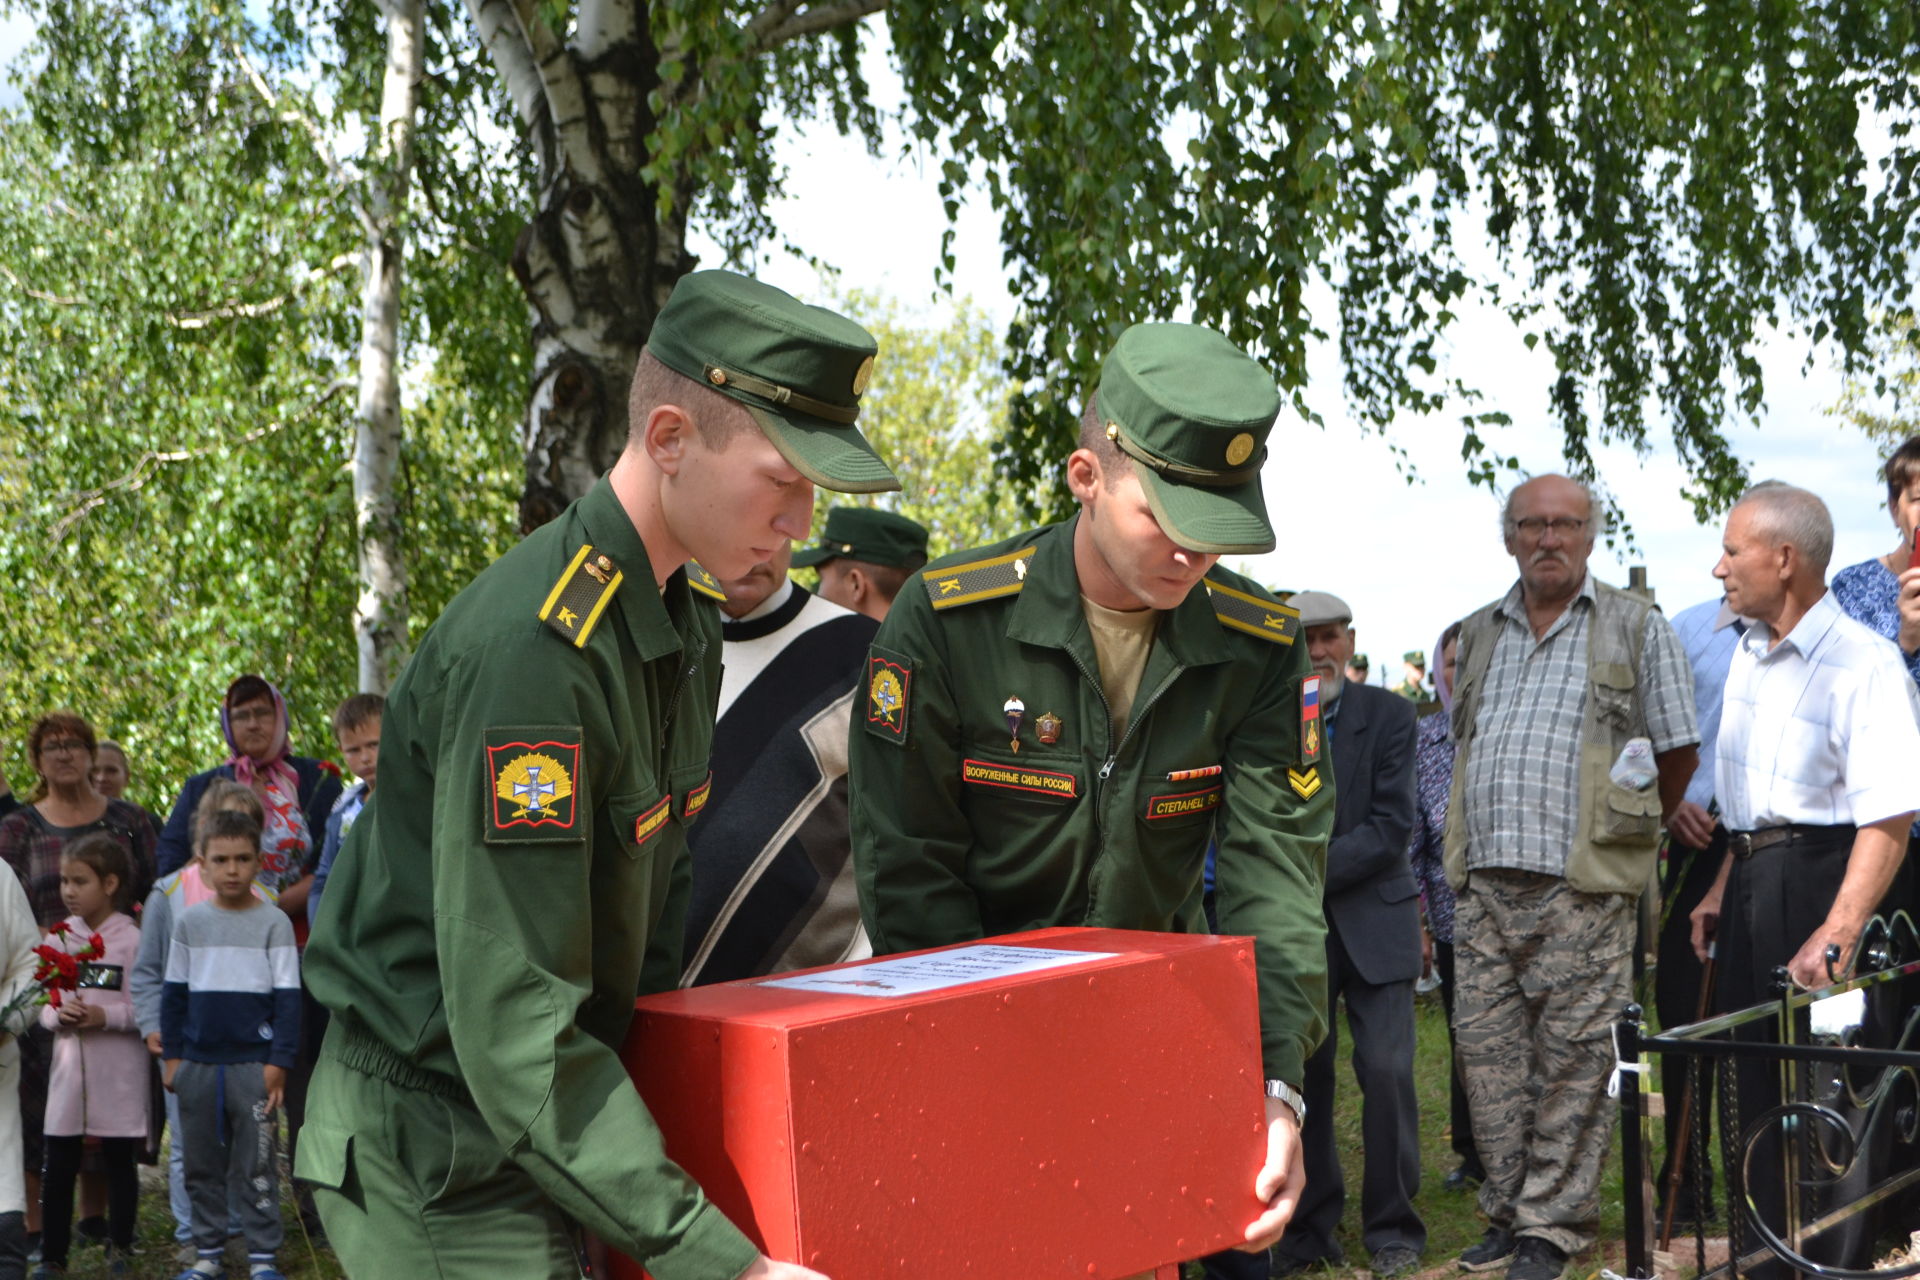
(1373, 958)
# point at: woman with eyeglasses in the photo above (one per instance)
(63, 806)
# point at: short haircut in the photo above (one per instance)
(224, 795)
(1788, 516)
(57, 724)
(887, 579)
(1902, 469)
(717, 418)
(248, 688)
(360, 709)
(106, 857)
(227, 824)
(1094, 439)
(1596, 517)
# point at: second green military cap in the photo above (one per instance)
(1194, 411)
(800, 371)
(869, 534)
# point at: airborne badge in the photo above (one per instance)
(533, 784)
(889, 686)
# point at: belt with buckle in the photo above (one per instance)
(1744, 844)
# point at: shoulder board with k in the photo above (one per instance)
(1252, 614)
(988, 579)
(574, 606)
(703, 582)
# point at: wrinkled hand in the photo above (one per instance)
(1691, 825)
(1281, 1180)
(768, 1269)
(1706, 921)
(1808, 968)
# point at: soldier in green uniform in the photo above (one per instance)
(1054, 725)
(523, 871)
(1413, 677)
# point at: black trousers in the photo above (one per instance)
(1684, 881)
(56, 1193)
(1459, 1114)
(1774, 901)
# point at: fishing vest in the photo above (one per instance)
(1616, 839)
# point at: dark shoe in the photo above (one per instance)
(1494, 1248)
(90, 1231)
(1288, 1265)
(1536, 1259)
(1395, 1260)
(1464, 1178)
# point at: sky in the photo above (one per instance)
(1407, 557)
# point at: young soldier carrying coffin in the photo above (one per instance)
(1053, 726)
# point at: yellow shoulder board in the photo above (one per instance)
(578, 599)
(1002, 575)
(703, 582)
(1250, 613)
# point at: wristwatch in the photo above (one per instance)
(1291, 1096)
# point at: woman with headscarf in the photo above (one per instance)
(296, 792)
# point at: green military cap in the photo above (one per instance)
(869, 534)
(800, 370)
(1358, 662)
(1194, 411)
(1418, 657)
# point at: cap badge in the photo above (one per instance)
(1240, 448)
(862, 376)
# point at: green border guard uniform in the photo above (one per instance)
(958, 835)
(521, 873)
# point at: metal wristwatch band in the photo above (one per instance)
(1291, 1096)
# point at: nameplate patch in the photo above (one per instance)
(696, 800)
(1184, 803)
(648, 824)
(1011, 777)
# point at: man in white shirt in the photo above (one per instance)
(1817, 785)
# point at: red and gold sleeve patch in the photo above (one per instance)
(695, 799)
(533, 791)
(648, 824)
(1184, 804)
(889, 694)
(1012, 777)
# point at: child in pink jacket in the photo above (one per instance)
(98, 1087)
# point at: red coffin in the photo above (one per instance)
(1099, 1118)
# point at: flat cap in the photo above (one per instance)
(1193, 411)
(869, 534)
(1317, 608)
(800, 370)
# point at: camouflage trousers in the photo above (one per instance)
(1543, 971)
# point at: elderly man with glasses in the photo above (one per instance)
(1573, 711)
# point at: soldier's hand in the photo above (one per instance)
(1281, 1180)
(768, 1269)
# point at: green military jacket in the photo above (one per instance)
(521, 871)
(957, 836)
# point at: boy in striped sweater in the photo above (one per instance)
(230, 1029)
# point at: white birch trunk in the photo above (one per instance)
(380, 614)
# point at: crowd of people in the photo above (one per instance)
(1093, 722)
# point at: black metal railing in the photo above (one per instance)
(1840, 1100)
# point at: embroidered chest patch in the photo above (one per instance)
(1184, 804)
(533, 793)
(1050, 783)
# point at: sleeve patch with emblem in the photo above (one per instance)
(1243, 611)
(1184, 804)
(574, 606)
(533, 785)
(1305, 784)
(1310, 733)
(1012, 777)
(648, 824)
(889, 694)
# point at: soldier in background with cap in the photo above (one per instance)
(1413, 677)
(865, 556)
(522, 870)
(1053, 726)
